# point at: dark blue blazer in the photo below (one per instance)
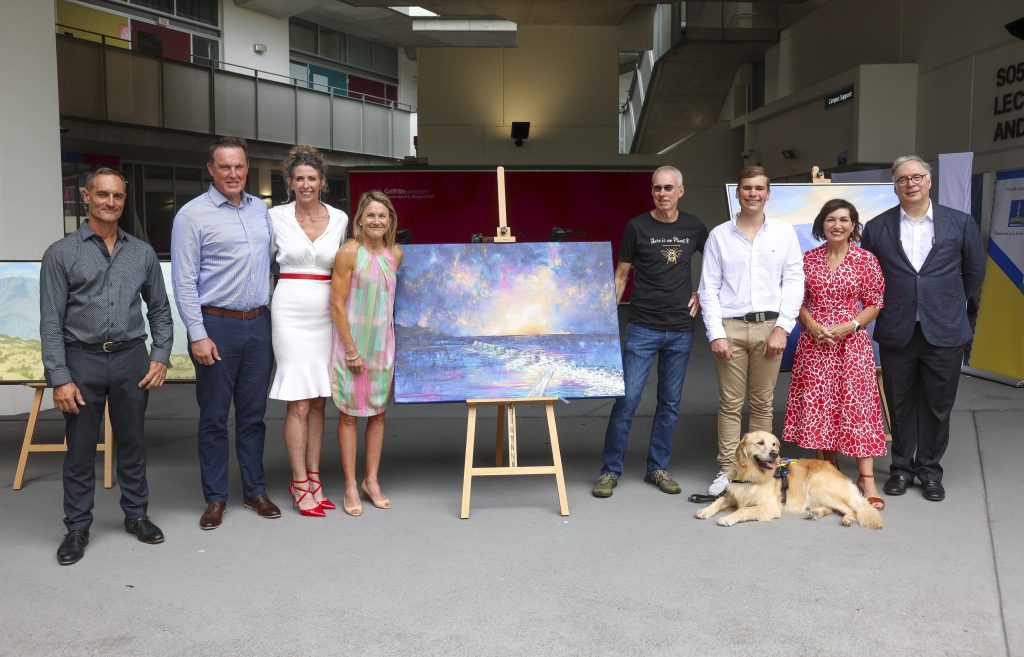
(938, 293)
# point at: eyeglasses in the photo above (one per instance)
(903, 181)
(667, 188)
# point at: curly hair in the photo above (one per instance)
(303, 155)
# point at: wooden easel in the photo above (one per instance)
(507, 419)
(507, 415)
(818, 177)
(28, 446)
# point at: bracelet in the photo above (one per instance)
(352, 358)
(856, 326)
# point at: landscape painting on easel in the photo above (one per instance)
(20, 350)
(484, 321)
(20, 359)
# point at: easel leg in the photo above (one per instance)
(513, 444)
(556, 458)
(499, 442)
(108, 448)
(467, 474)
(30, 430)
(885, 405)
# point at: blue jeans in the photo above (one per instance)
(673, 351)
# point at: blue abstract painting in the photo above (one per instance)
(484, 321)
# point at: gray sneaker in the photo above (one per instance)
(663, 481)
(717, 486)
(605, 484)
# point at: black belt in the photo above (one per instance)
(753, 318)
(106, 347)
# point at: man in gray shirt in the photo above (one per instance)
(92, 284)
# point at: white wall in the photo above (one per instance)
(31, 216)
(242, 28)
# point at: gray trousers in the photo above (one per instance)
(101, 377)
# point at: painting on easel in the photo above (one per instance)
(476, 321)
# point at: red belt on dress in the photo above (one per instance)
(307, 277)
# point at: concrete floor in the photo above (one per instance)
(636, 574)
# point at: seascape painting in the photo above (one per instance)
(485, 321)
(20, 352)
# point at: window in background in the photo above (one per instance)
(205, 52)
(302, 35)
(360, 52)
(332, 44)
(204, 11)
(385, 60)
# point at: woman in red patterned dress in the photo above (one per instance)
(833, 397)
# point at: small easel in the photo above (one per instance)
(818, 178)
(507, 419)
(507, 415)
(27, 446)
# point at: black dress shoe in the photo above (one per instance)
(897, 484)
(933, 491)
(72, 548)
(144, 529)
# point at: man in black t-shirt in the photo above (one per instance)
(658, 246)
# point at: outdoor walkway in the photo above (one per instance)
(636, 574)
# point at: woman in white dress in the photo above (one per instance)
(306, 235)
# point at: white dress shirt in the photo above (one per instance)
(740, 276)
(917, 237)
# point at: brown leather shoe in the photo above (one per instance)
(213, 515)
(262, 506)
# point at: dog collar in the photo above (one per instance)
(781, 472)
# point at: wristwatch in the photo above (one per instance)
(856, 326)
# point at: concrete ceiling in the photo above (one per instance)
(481, 23)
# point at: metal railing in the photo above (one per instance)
(101, 78)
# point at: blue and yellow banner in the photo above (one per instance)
(998, 344)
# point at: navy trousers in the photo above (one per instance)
(101, 377)
(241, 377)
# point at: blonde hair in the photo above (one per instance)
(366, 199)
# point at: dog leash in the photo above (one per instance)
(781, 472)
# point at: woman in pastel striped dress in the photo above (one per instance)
(363, 357)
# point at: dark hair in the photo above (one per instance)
(102, 171)
(365, 200)
(753, 172)
(818, 229)
(303, 155)
(228, 142)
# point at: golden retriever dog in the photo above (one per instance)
(815, 489)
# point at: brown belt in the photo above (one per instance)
(234, 314)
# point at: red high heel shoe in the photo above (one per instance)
(315, 512)
(324, 503)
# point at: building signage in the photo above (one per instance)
(839, 97)
(1008, 104)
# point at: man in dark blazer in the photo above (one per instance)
(933, 261)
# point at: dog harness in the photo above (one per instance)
(781, 472)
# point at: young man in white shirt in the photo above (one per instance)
(751, 288)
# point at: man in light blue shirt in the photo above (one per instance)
(220, 267)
